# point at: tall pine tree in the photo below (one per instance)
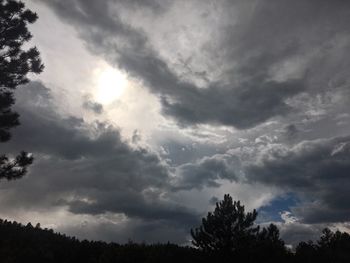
(226, 230)
(229, 233)
(15, 64)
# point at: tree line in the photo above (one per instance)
(227, 234)
(230, 234)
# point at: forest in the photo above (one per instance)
(228, 234)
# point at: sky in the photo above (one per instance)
(149, 111)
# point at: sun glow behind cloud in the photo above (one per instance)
(110, 84)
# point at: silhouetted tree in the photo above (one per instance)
(269, 247)
(334, 246)
(331, 247)
(227, 230)
(306, 252)
(25, 243)
(15, 64)
(271, 235)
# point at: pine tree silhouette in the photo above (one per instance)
(227, 230)
(15, 64)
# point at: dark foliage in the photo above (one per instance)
(226, 228)
(229, 232)
(15, 64)
(16, 168)
(20, 243)
(269, 247)
(332, 247)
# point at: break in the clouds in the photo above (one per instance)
(150, 110)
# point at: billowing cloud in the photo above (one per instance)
(293, 231)
(207, 172)
(87, 168)
(227, 101)
(317, 170)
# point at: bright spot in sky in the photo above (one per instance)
(110, 85)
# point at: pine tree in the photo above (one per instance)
(269, 247)
(226, 230)
(15, 64)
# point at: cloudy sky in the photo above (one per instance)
(149, 111)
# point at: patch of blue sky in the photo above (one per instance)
(273, 210)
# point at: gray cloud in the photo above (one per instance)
(95, 107)
(67, 137)
(317, 170)
(290, 131)
(153, 5)
(88, 168)
(207, 171)
(293, 233)
(249, 98)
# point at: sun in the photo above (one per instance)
(110, 85)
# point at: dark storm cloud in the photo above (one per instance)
(290, 131)
(135, 205)
(65, 137)
(275, 31)
(232, 107)
(293, 233)
(87, 168)
(317, 170)
(251, 96)
(206, 172)
(153, 5)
